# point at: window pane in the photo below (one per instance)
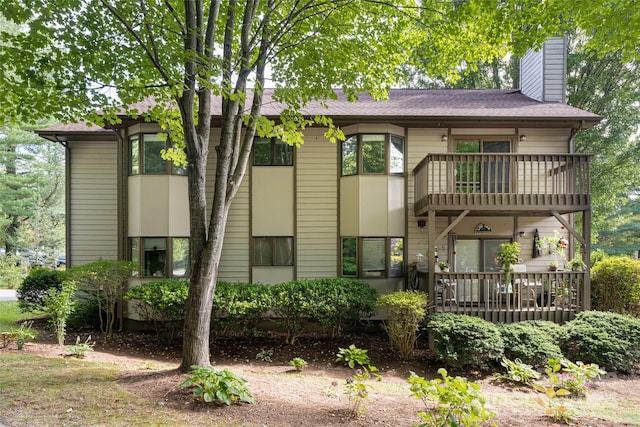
(397, 155)
(350, 156)
(283, 247)
(262, 152)
(262, 251)
(153, 161)
(155, 256)
(180, 257)
(134, 155)
(396, 265)
(373, 256)
(134, 254)
(283, 154)
(373, 153)
(349, 257)
(468, 171)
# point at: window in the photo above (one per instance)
(145, 156)
(372, 154)
(489, 174)
(379, 256)
(151, 255)
(272, 251)
(272, 152)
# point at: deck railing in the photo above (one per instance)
(543, 181)
(555, 296)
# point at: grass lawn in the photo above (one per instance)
(74, 393)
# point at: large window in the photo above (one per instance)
(372, 154)
(272, 251)
(272, 152)
(160, 256)
(145, 156)
(488, 174)
(373, 256)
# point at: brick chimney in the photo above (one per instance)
(543, 73)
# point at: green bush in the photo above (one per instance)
(406, 311)
(615, 285)
(238, 307)
(36, 286)
(338, 301)
(59, 305)
(106, 282)
(86, 315)
(292, 303)
(529, 343)
(450, 401)
(12, 272)
(609, 340)
(161, 303)
(465, 341)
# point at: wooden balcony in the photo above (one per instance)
(494, 184)
(553, 296)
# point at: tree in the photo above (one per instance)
(31, 189)
(74, 57)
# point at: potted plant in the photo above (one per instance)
(508, 255)
(553, 266)
(444, 266)
(576, 264)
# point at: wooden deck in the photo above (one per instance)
(553, 296)
(534, 184)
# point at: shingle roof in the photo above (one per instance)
(411, 105)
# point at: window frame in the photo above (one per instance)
(273, 144)
(274, 257)
(139, 137)
(169, 253)
(388, 271)
(388, 140)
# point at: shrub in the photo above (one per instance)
(210, 385)
(609, 340)
(238, 307)
(12, 272)
(615, 285)
(291, 304)
(161, 303)
(406, 312)
(35, 288)
(338, 301)
(529, 342)
(59, 305)
(105, 281)
(449, 401)
(465, 341)
(85, 316)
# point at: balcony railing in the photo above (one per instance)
(502, 182)
(554, 296)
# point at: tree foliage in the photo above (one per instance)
(31, 191)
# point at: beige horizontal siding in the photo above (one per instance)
(93, 202)
(316, 207)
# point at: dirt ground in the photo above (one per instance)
(288, 398)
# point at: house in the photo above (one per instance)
(429, 175)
